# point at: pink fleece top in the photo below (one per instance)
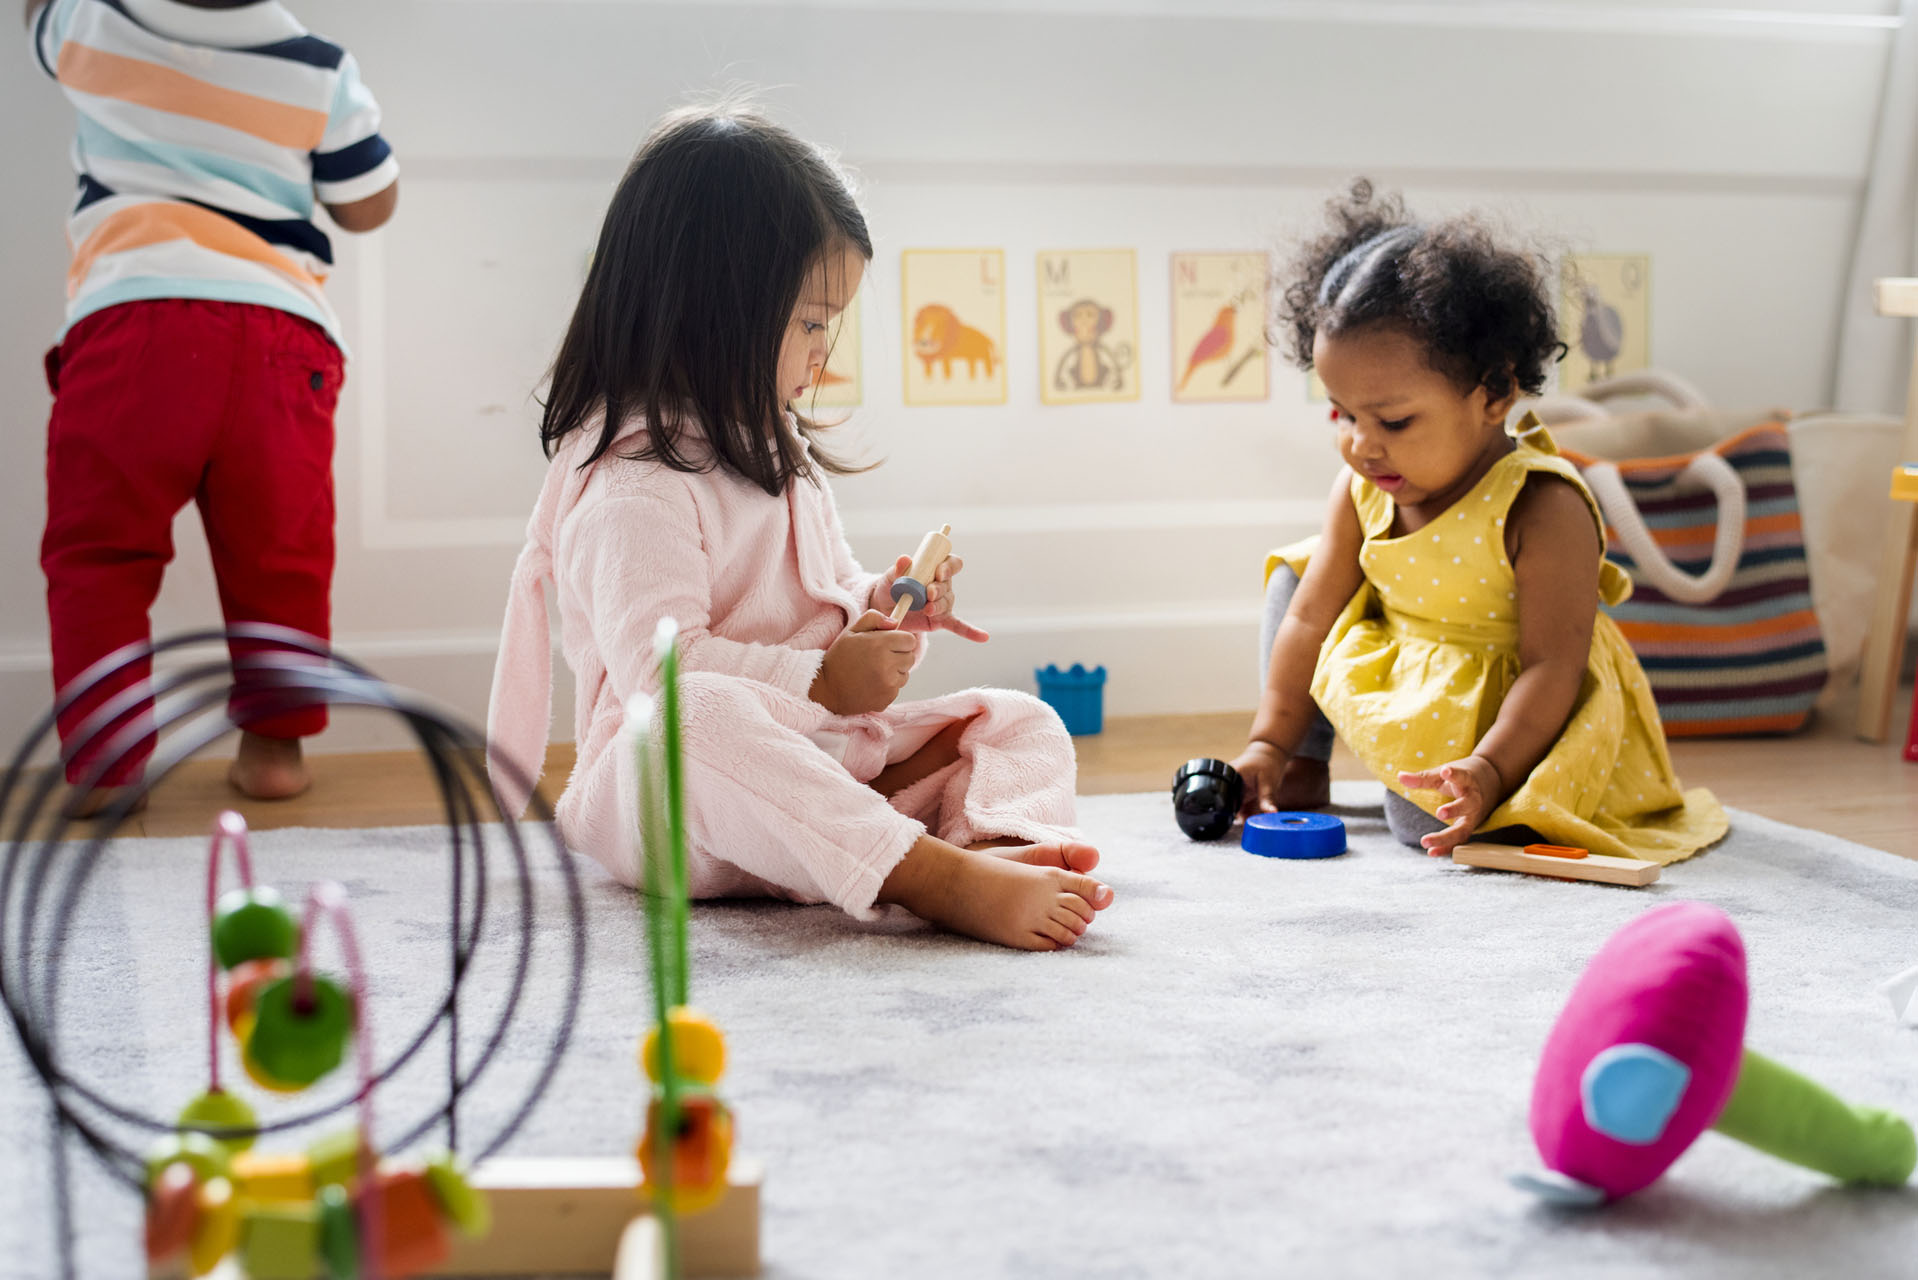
(759, 584)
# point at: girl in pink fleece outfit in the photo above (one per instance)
(682, 485)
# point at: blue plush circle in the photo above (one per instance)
(1293, 835)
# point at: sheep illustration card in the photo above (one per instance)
(1605, 314)
(837, 386)
(1218, 327)
(1088, 326)
(955, 313)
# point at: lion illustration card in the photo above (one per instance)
(1088, 326)
(1218, 327)
(955, 313)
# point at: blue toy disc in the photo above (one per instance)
(1293, 835)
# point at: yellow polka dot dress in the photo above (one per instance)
(1416, 668)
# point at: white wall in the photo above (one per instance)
(1728, 141)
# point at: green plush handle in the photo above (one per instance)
(1779, 1111)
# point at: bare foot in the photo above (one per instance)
(1305, 784)
(1066, 857)
(269, 768)
(89, 803)
(1035, 906)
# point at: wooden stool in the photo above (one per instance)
(1878, 675)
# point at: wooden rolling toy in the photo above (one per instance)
(1562, 862)
(909, 591)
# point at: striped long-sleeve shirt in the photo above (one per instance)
(205, 137)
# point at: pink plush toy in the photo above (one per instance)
(1648, 1054)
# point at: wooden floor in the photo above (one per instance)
(1822, 779)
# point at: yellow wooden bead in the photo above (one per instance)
(699, 1049)
(280, 1176)
(218, 1229)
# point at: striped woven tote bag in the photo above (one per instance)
(1720, 614)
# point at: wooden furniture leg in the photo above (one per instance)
(1885, 644)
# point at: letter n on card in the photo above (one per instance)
(1218, 327)
(955, 313)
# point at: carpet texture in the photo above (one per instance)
(1248, 1068)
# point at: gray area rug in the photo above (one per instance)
(1248, 1068)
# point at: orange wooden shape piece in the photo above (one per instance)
(1557, 851)
(403, 1230)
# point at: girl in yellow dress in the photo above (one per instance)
(1446, 621)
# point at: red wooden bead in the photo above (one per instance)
(172, 1211)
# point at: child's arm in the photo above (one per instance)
(1554, 548)
(354, 173)
(1285, 704)
(367, 214)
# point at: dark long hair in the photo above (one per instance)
(700, 262)
(1482, 309)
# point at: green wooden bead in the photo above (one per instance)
(202, 1154)
(336, 1158)
(216, 1109)
(252, 924)
(339, 1234)
(279, 1241)
(299, 1040)
(464, 1205)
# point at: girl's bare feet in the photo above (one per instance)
(1031, 902)
(1305, 784)
(1066, 857)
(269, 768)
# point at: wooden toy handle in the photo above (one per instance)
(933, 550)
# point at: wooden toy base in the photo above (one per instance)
(1631, 872)
(584, 1217)
(566, 1216)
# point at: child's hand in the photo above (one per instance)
(940, 599)
(865, 668)
(1260, 765)
(1475, 788)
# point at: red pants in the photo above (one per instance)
(157, 404)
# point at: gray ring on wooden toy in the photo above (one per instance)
(910, 587)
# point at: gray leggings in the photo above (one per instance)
(1408, 822)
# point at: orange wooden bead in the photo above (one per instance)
(172, 1210)
(243, 988)
(402, 1230)
(701, 1152)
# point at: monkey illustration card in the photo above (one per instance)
(1218, 327)
(1604, 317)
(1088, 326)
(955, 314)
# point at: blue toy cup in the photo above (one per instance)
(1077, 695)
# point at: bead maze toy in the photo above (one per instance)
(215, 1202)
(1649, 1052)
(1561, 862)
(909, 589)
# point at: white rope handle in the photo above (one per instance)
(1648, 382)
(1707, 469)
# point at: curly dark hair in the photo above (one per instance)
(1482, 310)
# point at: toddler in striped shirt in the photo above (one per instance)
(199, 360)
